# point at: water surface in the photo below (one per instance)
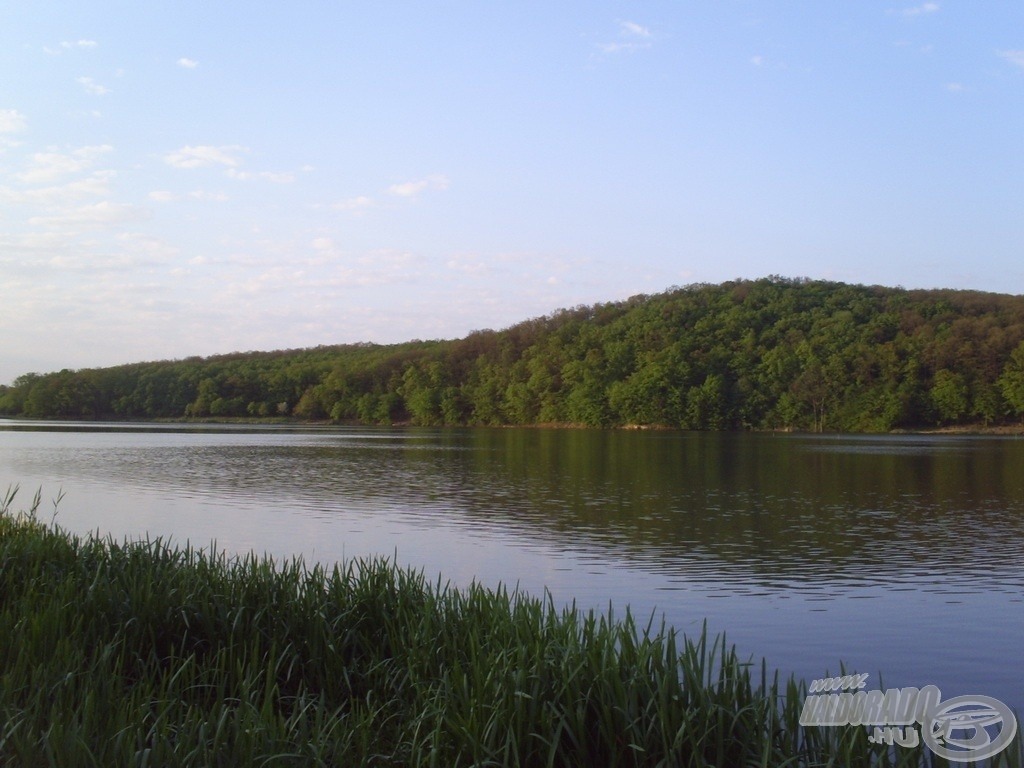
(897, 555)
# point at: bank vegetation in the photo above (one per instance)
(773, 353)
(147, 654)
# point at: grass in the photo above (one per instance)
(145, 654)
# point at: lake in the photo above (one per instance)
(899, 556)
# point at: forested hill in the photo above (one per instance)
(770, 353)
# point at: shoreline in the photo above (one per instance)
(981, 430)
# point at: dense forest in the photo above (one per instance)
(773, 353)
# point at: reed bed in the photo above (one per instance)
(140, 653)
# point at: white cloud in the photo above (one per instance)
(99, 214)
(622, 47)
(918, 10)
(1014, 57)
(276, 178)
(413, 188)
(468, 264)
(92, 87)
(146, 245)
(30, 244)
(632, 28)
(955, 87)
(163, 196)
(360, 203)
(68, 45)
(632, 37)
(408, 188)
(96, 185)
(47, 166)
(203, 155)
(212, 197)
(11, 121)
(187, 63)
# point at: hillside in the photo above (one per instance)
(773, 353)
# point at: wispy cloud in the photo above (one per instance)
(414, 188)
(146, 246)
(360, 203)
(212, 197)
(408, 188)
(97, 215)
(917, 10)
(1014, 57)
(204, 155)
(47, 166)
(187, 63)
(12, 121)
(632, 28)
(277, 178)
(70, 45)
(469, 264)
(92, 87)
(632, 37)
(95, 185)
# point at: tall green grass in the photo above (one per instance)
(146, 654)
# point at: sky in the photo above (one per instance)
(194, 178)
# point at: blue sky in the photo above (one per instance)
(181, 178)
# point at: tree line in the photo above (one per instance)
(773, 353)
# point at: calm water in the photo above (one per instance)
(898, 555)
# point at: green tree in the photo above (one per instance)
(207, 393)
(586, 402)
(422, 389)
(949, 396)
(987, 402)
(1011, 381)
(484, 393)
(310, 405)
(811, 389)
(707, 405)
(646, 396)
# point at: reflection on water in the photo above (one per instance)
(900, 554)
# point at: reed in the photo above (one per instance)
(139, 653)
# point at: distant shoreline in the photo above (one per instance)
(981, 430)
